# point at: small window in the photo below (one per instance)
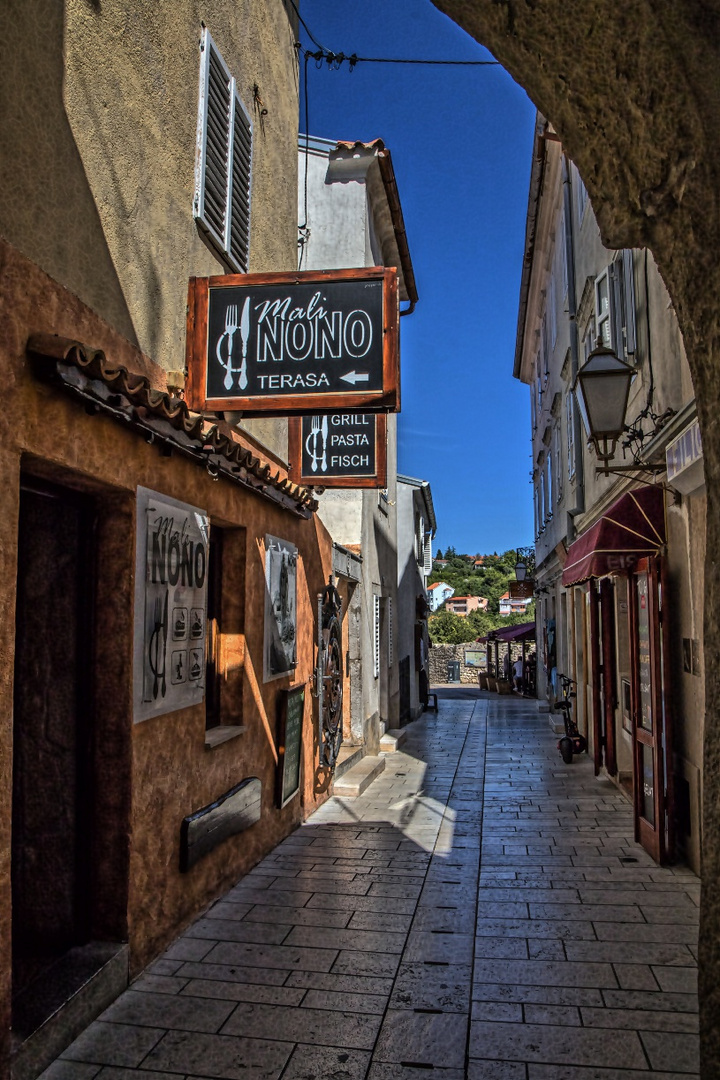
(223, 160)
(615, 306)
(603, 313)
(558, 463)
(549, 486)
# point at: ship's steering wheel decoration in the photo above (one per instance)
(330, 675)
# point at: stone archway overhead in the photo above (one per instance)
(633, 91)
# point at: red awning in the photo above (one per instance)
(522, 632)
(632, 529)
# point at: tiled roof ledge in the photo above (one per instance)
(127, 395)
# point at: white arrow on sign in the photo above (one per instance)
(355, 377)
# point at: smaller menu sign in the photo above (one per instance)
(340, 449)
(170, 604)
(291, 709)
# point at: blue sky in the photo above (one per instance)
(461, 143)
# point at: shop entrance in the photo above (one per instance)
(652, 726)
(51, 886)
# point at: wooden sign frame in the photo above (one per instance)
(385, 399)
(378, 479)
(282, 797)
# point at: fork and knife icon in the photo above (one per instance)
(231, 328)
(318, 427)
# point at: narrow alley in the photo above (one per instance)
(480, 911)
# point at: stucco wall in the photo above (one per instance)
(152, 774)
(107, 99)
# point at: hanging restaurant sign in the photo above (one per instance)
(277, 344)
(522, 590)
(170, 604)
(339, 449)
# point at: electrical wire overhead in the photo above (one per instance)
(334, 60)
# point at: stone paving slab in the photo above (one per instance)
(480, 912)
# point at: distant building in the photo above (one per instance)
(416, 528)
(463, 605)
(438, 593)
(509, 606)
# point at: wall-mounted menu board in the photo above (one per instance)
(291, 709)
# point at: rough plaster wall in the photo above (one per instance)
(632, 90)
(135, 129)
(152, 774)
(337, 215)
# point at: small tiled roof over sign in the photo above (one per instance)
(161, 417)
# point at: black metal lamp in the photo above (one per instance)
(520, 569)
(602, 389)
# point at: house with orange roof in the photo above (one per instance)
(438, 593)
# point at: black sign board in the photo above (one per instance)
(286, 343)
(291, 709)
(339, 449)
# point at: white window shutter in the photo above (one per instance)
(427, 565)
(391, 631)
(603, 309)
(224, 159)
(238, 233)
(376, 636)
(629, 302)
(570, 433)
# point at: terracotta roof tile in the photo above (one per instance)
(150, 406)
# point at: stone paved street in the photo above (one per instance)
(481, 911)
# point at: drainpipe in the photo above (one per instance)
(574, 344)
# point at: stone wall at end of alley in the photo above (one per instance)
(442, 655)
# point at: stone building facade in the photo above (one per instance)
(618, 555)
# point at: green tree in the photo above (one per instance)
(447, 628)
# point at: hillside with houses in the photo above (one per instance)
(469, 595)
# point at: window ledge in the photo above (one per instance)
(222, 734)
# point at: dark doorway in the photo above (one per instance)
(51, 757)
(652, 717)
(405, 690)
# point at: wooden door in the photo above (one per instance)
(651, 720)
(52, 775)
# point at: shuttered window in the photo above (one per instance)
(427, 565)
(224, 159)
(390, 631)
(570, 433)
(615, 306)
(376, 637)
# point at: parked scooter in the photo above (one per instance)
(572, 742)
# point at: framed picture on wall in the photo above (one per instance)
(280, 652)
